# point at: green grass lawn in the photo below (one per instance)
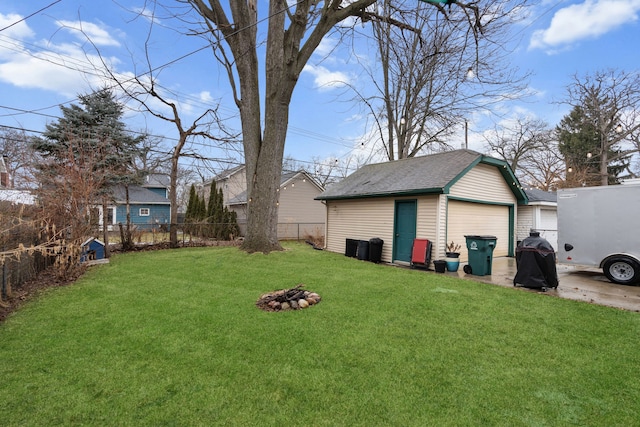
(174, 338)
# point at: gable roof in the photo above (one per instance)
(285, 178)
(157, 180)
(227, 173)
(138, 195)
(432, 174)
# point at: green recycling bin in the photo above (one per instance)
(480, 250)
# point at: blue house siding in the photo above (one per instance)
(158, 215)
(151, 197)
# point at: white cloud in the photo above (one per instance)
(97, 34)
(64, 68)
(205, 96)
(39, 72)
(325, 79)
(61, 68)
(15, 29)
(587, 20)
(147, 14)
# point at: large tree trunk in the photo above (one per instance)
(284, 60)
(263, 157)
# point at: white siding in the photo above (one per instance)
(525, 221)
(363, 219)
(427, 218)
(360, 219)
(548, 225)
(483, 182)
(540, 218)
(299, 215)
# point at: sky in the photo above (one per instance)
(49, 55)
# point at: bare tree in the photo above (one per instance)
(430, 74)
(518, 140)
(143, 88)
(610, 105)
(293, 34)
(544, 168)
(20, 157)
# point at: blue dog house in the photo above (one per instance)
(92, 250)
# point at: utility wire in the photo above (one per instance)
(29, 16)
(82, 67)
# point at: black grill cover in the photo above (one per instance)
(536, 260)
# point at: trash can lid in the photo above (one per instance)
(475, 237)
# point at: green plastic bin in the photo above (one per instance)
(480, 250)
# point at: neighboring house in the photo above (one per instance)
(5, 178)
(440, 197)
(149, 204)
(8, 193)
(539, 214)
(233, 182)
(23, 197)
(299, 214)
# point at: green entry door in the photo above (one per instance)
(404, 229)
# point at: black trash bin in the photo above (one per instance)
(536, 261)
(375, 249)
(480, 254)
(351, 248)
(440, 265)
(363, 250)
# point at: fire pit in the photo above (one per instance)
(288, 299)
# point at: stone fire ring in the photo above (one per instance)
(288, 299)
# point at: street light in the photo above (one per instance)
(470, 74)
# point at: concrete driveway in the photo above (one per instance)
(582, 284)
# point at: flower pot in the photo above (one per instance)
(440, 266)
(453, 261)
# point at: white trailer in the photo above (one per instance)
(600, 227)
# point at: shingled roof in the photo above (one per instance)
(536, 195)
(138, 195)
(432, 174)
(241, 198)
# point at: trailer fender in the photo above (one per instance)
(623, 269)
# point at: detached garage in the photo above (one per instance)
(441, 197)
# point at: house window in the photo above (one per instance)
(144, 212)
(111, 215)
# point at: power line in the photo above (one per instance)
(83, 68)
(29, 16)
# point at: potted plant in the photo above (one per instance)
(453, 256)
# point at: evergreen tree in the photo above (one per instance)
(85, 153)
(212, 214)
(213, 218)
(579, 141)
(192, 204)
